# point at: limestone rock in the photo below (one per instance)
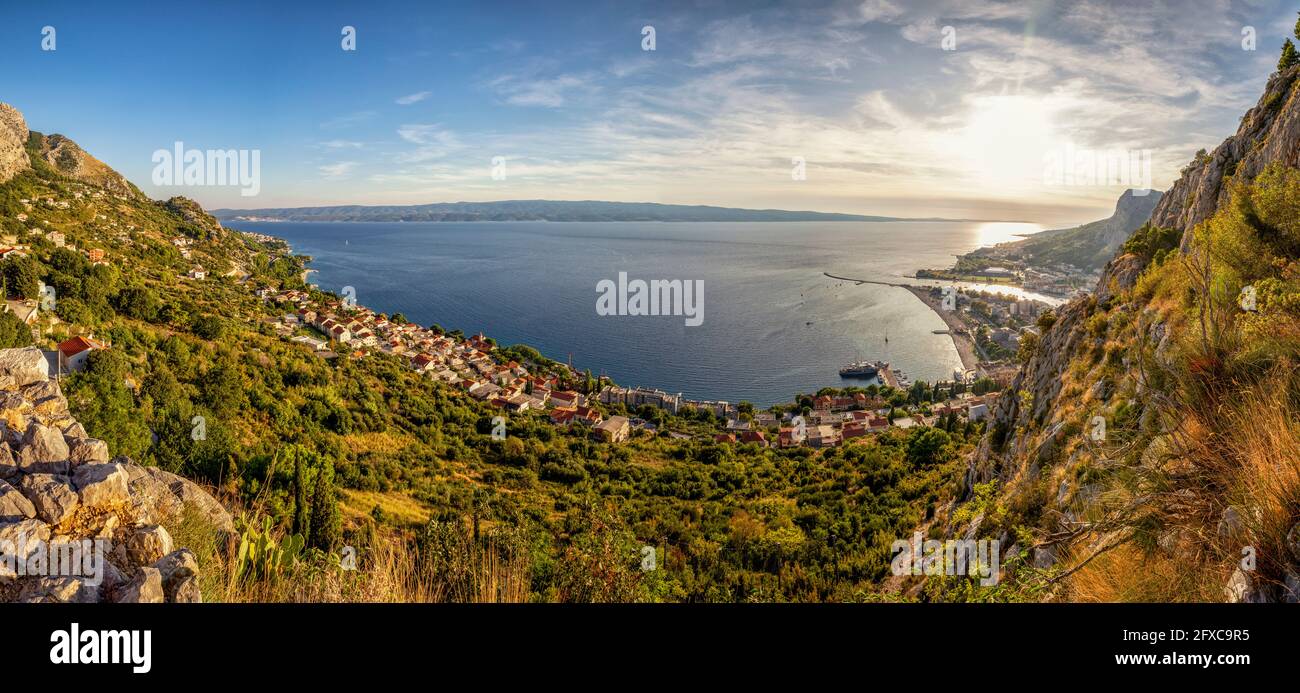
(148, 545)
(87, 451)
(145, 588)
(14, 506)
(8, 465)
(60, 590)
(19, 367)
(13, 143)
(1243, 588)
(52, 496)
(180, 573)
(161, 496)
(43, 450)
(102, 485)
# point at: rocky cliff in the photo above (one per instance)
(1268, 132)
(58, 485)
(13, 143)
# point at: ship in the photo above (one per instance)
(863, 369)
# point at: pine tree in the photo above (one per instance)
(1296, 31)
(1289, 56)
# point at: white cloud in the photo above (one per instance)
(337, 170)
(413, 98)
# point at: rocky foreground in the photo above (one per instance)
(59, 486)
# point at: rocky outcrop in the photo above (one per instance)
(192, 212)
(13, 143)
(1268, 132)
(73, 161)
(58, 486)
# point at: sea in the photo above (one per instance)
(773, 324)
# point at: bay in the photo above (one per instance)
(774, 325)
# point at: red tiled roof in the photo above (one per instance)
(76, 345)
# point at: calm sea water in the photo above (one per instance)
(535, 283)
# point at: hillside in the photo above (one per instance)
(534, 210)
(1150, 449)
(1089, 246)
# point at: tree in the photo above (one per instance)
(1289, 56)
(22, 277)
(1296, 31)
(326, 522)
(302, 494)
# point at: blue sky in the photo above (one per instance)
(887, 121)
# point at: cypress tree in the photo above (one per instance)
(326, 522)
(301, 505)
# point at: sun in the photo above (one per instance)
(1006, 140)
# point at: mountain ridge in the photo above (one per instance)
(543, 210)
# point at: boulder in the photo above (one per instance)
(102, 485)
(148, 545)
(145, 588)
(8, 465)
(53, 496)
(43, 450)
(14, 506)
(20, 536)
(1243, 588)
(180, 572)
(46, 398)
(19, 367)
(59, 590)
(161, 496)
(87, 451)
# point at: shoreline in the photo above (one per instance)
(961, 338)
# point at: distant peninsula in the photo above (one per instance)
(539, 210)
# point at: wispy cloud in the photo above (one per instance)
(348, 120)
(337, 170)
(413, 98)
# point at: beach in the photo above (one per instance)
(961, 338)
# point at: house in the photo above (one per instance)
(565, 398)
(615, 429)
(563, 416)
(74, 352)
(823, 437)
(853, 430)
(198, 274)
(754, 437)
(95, 254)
(877, 424)
(724, 438)
(977, 412)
